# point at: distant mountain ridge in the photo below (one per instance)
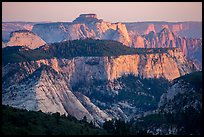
(184, 35)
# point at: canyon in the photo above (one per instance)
(93, 69)
(36, 84)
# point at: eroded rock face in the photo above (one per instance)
(25, 38)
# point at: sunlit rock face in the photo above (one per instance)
(85, 26)
(169, 65)
(185, 35)
(167, 38)
(25, 38)
(138, 34)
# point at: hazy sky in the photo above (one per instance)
(108, 11)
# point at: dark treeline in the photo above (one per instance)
(74, 48)
(22, 122)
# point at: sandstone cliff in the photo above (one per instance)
(169, 65)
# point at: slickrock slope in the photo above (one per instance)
(45, 90)
(85, 26)
(25, 38)
(98, 114)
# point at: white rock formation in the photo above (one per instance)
(25, 38)
(47, 91)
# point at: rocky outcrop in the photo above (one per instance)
(152, 40)
(176, 28)
(25, 38)
(184, 35)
